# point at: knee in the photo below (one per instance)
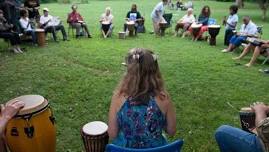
(221, 131)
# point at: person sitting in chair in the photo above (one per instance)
(26, 25)
(134, 16)
(202, 19)
(76, 21)
(107, 20)
(232, 139)
(258, 50)
(141, 108)
(157, 16)
(248, 29)
(7, 113)
(51, 24)
(185, 22)
(7, 33)
(230, 24)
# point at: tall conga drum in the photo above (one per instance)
(41, 37)
(213, 31)
(106, 26)
(247, 118)
(131, 27)
(95, 136)
(162, 26)
(196, 29)
(33, 128)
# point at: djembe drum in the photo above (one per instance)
(131, 27)
(95, 136)
(41, 37)
(213, 31)
(106, 26)
(162, 26)
(32, 129)
(247, 118)
(196, 29)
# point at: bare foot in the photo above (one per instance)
(236, 58)
(248, 65)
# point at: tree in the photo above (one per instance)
(264, 6)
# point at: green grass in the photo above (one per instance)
(78, 76)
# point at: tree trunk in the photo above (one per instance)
(239, 3)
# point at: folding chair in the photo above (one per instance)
(172, 147)
(168, 18)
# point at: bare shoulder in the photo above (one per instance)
(117, 101)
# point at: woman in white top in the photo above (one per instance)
(106, 22)
(26, 26)
(230, 23)
(185, 22)
(157, 16)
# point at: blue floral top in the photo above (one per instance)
(140, 125)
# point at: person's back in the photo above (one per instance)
(141, 109)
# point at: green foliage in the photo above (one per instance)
(79, 76)
(48, 1)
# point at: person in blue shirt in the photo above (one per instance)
(141, 109)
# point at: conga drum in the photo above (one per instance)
(162, 26)
(32, 129)
(213, 31)
(196, 29)
(41, 37)
(247, 118)
(131, 27)
(95, 136)
(106, 26)
(122, 35)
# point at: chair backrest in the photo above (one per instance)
(168, 18)
(172, 147)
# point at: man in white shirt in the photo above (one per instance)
(26, 26)
(248, 29)
(185, 22)
(51, 24)
(157, 15)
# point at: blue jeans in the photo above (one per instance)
(32, 33)
(232, 139)
(237, 40)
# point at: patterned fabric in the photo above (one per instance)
(140, 125)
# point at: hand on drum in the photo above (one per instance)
(11, 109)
(260, 107)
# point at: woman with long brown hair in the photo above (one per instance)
(141, 108)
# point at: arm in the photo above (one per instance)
(112, 118)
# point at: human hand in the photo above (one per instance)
(11, 109)
(260, 108)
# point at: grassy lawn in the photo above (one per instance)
(78, 76)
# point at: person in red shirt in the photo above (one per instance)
(77, 22)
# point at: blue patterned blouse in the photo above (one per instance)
(140, 125)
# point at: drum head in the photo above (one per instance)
(39, 30)
(33, 103)
(246, 109)
(196, 25)
(95, 128)
(105, 23)
(213, 26)
(130, 22)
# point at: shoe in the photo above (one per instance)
(89, 36)
(248, 65)
(16, 51)
(236, 58)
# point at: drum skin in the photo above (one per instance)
(44, 133)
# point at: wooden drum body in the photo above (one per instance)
(247, 118)
(196, 29)
(95, 136)
(162, 26)
(32, 129)
(41, 37)
(213, 31)
(131, 27)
